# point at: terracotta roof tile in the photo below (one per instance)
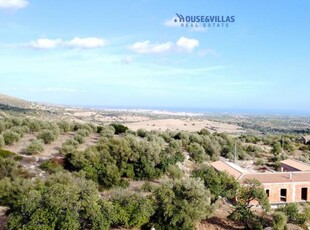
(296, 164)
(277, 177)
(222, 166)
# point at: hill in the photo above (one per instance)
(10, 101)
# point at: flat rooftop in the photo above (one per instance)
(301, 166)
(277, 177)
(241, 174)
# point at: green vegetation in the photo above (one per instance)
(94, 188)
(131, 209)
(119, 128)
(47, 136)
(197, 152)
(63, 201)
(52, 165)
(181, 204)
(112, 160)
(6, 153)
(10, 137)
(220, 184)
(279, 221)
(35, 147)
(2, 143)
(251, 191)
(294, 215)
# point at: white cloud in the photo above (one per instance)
(45, 43)
(83, 43)
(13, 4)
(172, 22)
(187, 43)
(146, 47)
(86, 43)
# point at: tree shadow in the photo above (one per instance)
(224, 224)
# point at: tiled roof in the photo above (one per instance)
(223, 166)
(301, 166)
(277, 177)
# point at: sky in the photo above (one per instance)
(133, 54)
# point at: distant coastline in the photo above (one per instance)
(199, 111)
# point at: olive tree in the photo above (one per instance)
(251, 191)
(181, 204)
(35, 147)
(47, 136)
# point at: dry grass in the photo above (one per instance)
(53, 148)
(190, 124)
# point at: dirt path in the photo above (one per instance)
(219, 219)
(53, 148)
(21, 145)
(92, 139)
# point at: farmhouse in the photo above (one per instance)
(290, 185)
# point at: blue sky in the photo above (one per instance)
(132, 53)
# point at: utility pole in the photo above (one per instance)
(235, 152)
(282, 146)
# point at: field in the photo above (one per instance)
(184, 141)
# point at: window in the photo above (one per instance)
(283, 194)
(304, 193)
(267, 192)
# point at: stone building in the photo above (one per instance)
(291, 185)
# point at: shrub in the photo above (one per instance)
(10, 137)
(2, 126)
(107, 131)
(174, 172)
(204, 132)
(6, 153)
(279, 221)
(79, 138)
(47, 136)
(147, 187)
(181, 204)
(52, 166)
(34, 125)
(62, 201)
(65, 149)
(142, 133)
(20, 130)
(35, 147)
(220, 184)
(11, 169)
(293, 214)
(196, 152)
(55, 129)
(83, 132)
(259, 161)
(119, 128)
(2, 143)
(71, 142)
(64, 126)
(132, 209)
